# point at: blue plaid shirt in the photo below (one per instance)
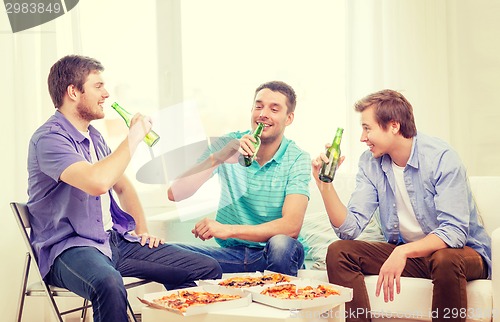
(439, 191)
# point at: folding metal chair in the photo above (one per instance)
(21, 213)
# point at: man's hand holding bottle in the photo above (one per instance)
(318, 162)
(247, 145)
(140, 125)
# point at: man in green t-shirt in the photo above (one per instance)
(262, 207)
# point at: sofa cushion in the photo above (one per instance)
(409, 305)
(317, 234)
(414, 301)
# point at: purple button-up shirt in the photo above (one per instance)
(63, 216)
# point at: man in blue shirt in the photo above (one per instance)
(83, 240)
(427, 211)
(262, 207)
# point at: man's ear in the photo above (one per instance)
(72, 92)
(289, 118)
(394, 127)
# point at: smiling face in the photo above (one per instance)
(270, 108)
(94, 94)
(379, 141)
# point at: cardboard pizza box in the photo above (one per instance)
(245, 300)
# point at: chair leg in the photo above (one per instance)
(55, 310)
(53, 303)
(131, 312)
(84, 309)
(24, 284)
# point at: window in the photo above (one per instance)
(220, 51)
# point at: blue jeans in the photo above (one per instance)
(92, 275)
(281, 254)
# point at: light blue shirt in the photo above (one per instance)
(439, 192)
(254, 195)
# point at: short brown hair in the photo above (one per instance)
(390, 106)
(70, 70)
(283, 88)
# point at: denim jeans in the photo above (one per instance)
(92, 275)
(281, 254)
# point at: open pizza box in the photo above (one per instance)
(227, 276)
(297, 304)
(244, 300)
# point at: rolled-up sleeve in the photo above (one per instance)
(451, 200)
(362, 204)
(55, 152)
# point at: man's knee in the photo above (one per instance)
(446, 263)
(108, 283)
(213, 269)
(280, 247)
(281, 242)
(284, 254)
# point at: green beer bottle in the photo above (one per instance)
(333, 154)
(246, 160)
(151, 138)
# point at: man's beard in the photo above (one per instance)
(269, 140)
(86, 113)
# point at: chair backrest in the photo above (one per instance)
(22, 215)
(22, 212)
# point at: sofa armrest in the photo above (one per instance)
(495, 273)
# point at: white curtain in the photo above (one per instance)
(400, 45)
(444, 56)
(26, 60)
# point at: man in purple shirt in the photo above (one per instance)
(83, 240)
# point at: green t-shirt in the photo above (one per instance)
(254, 195)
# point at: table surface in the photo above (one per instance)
(251, 313)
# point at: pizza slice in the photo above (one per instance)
(291, 291)
(182, 300)
(249, 281)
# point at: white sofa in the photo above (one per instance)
(414, 301)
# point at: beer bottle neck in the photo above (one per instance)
(258, 130)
